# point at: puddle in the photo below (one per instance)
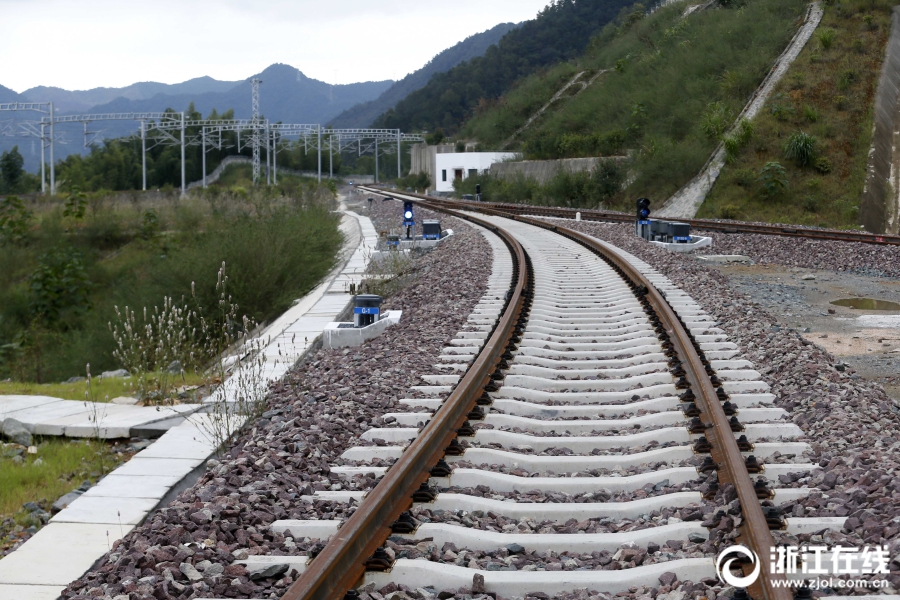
(866, 304)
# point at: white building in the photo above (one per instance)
(462, 165)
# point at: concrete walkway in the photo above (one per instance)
(685, 203)
(43, 415)
(83, 532)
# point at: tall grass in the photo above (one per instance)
(276, 248)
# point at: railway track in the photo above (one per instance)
(590, 428)
(696, 224)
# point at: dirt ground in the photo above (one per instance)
(867, 340)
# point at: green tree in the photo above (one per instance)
(12, 171)
(60, 285)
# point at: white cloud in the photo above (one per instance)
(92, 43)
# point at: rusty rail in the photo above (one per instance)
(699, 224)
(340, 565)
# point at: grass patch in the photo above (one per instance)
(60, 465)
(103, 389)
(674, 85)
(817, 124)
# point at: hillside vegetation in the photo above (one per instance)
(560, 32)
(363, 114)
(815, 131)
(665, 88)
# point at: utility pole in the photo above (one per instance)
(52, 157)
(331, 156)
(144, 154)
(399, 157)
(320, 153)
(203, 141)
(183, 180)
(274, 158)
(43, 162)
(254, 100)
(376, 160)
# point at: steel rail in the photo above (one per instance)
(732, 468)
(699, 224)
(340, 565)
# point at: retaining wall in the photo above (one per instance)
(880, 204)
(544, 170)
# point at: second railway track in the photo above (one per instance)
(590, 429)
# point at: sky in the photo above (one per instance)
(84, 44)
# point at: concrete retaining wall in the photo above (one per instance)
(880, 204)
(544, 170)
(424, 159)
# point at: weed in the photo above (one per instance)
(840, 102)
(715, 120)
(149, 224)
(729, 211)
(802, 148)
(826, 38)
(773, 179)
(76, 204)
(847, 78)
(59, 285)
(823, 165)
(744, 177)
(810, 203)
(811, 113)
(15, 220)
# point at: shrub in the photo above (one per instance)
(826, 38)
(729, 211)
(715, 120)
(810, 203)
(744, 177)
(823, 165)
(149, 224)
(732, 147)
(811, 113)
(59, 285)
(15, 220)
(773, 179)
(847, 78)
(801, 148)
(76, 204)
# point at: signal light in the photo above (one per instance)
(643, 209)
(407, 211)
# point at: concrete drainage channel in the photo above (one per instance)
(585, 463)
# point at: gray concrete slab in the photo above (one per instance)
(30, 592)
(133, 486)
(59, 553)
(158, 466)
(106, 510)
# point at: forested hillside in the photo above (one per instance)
(559, 33)
(362, 115)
